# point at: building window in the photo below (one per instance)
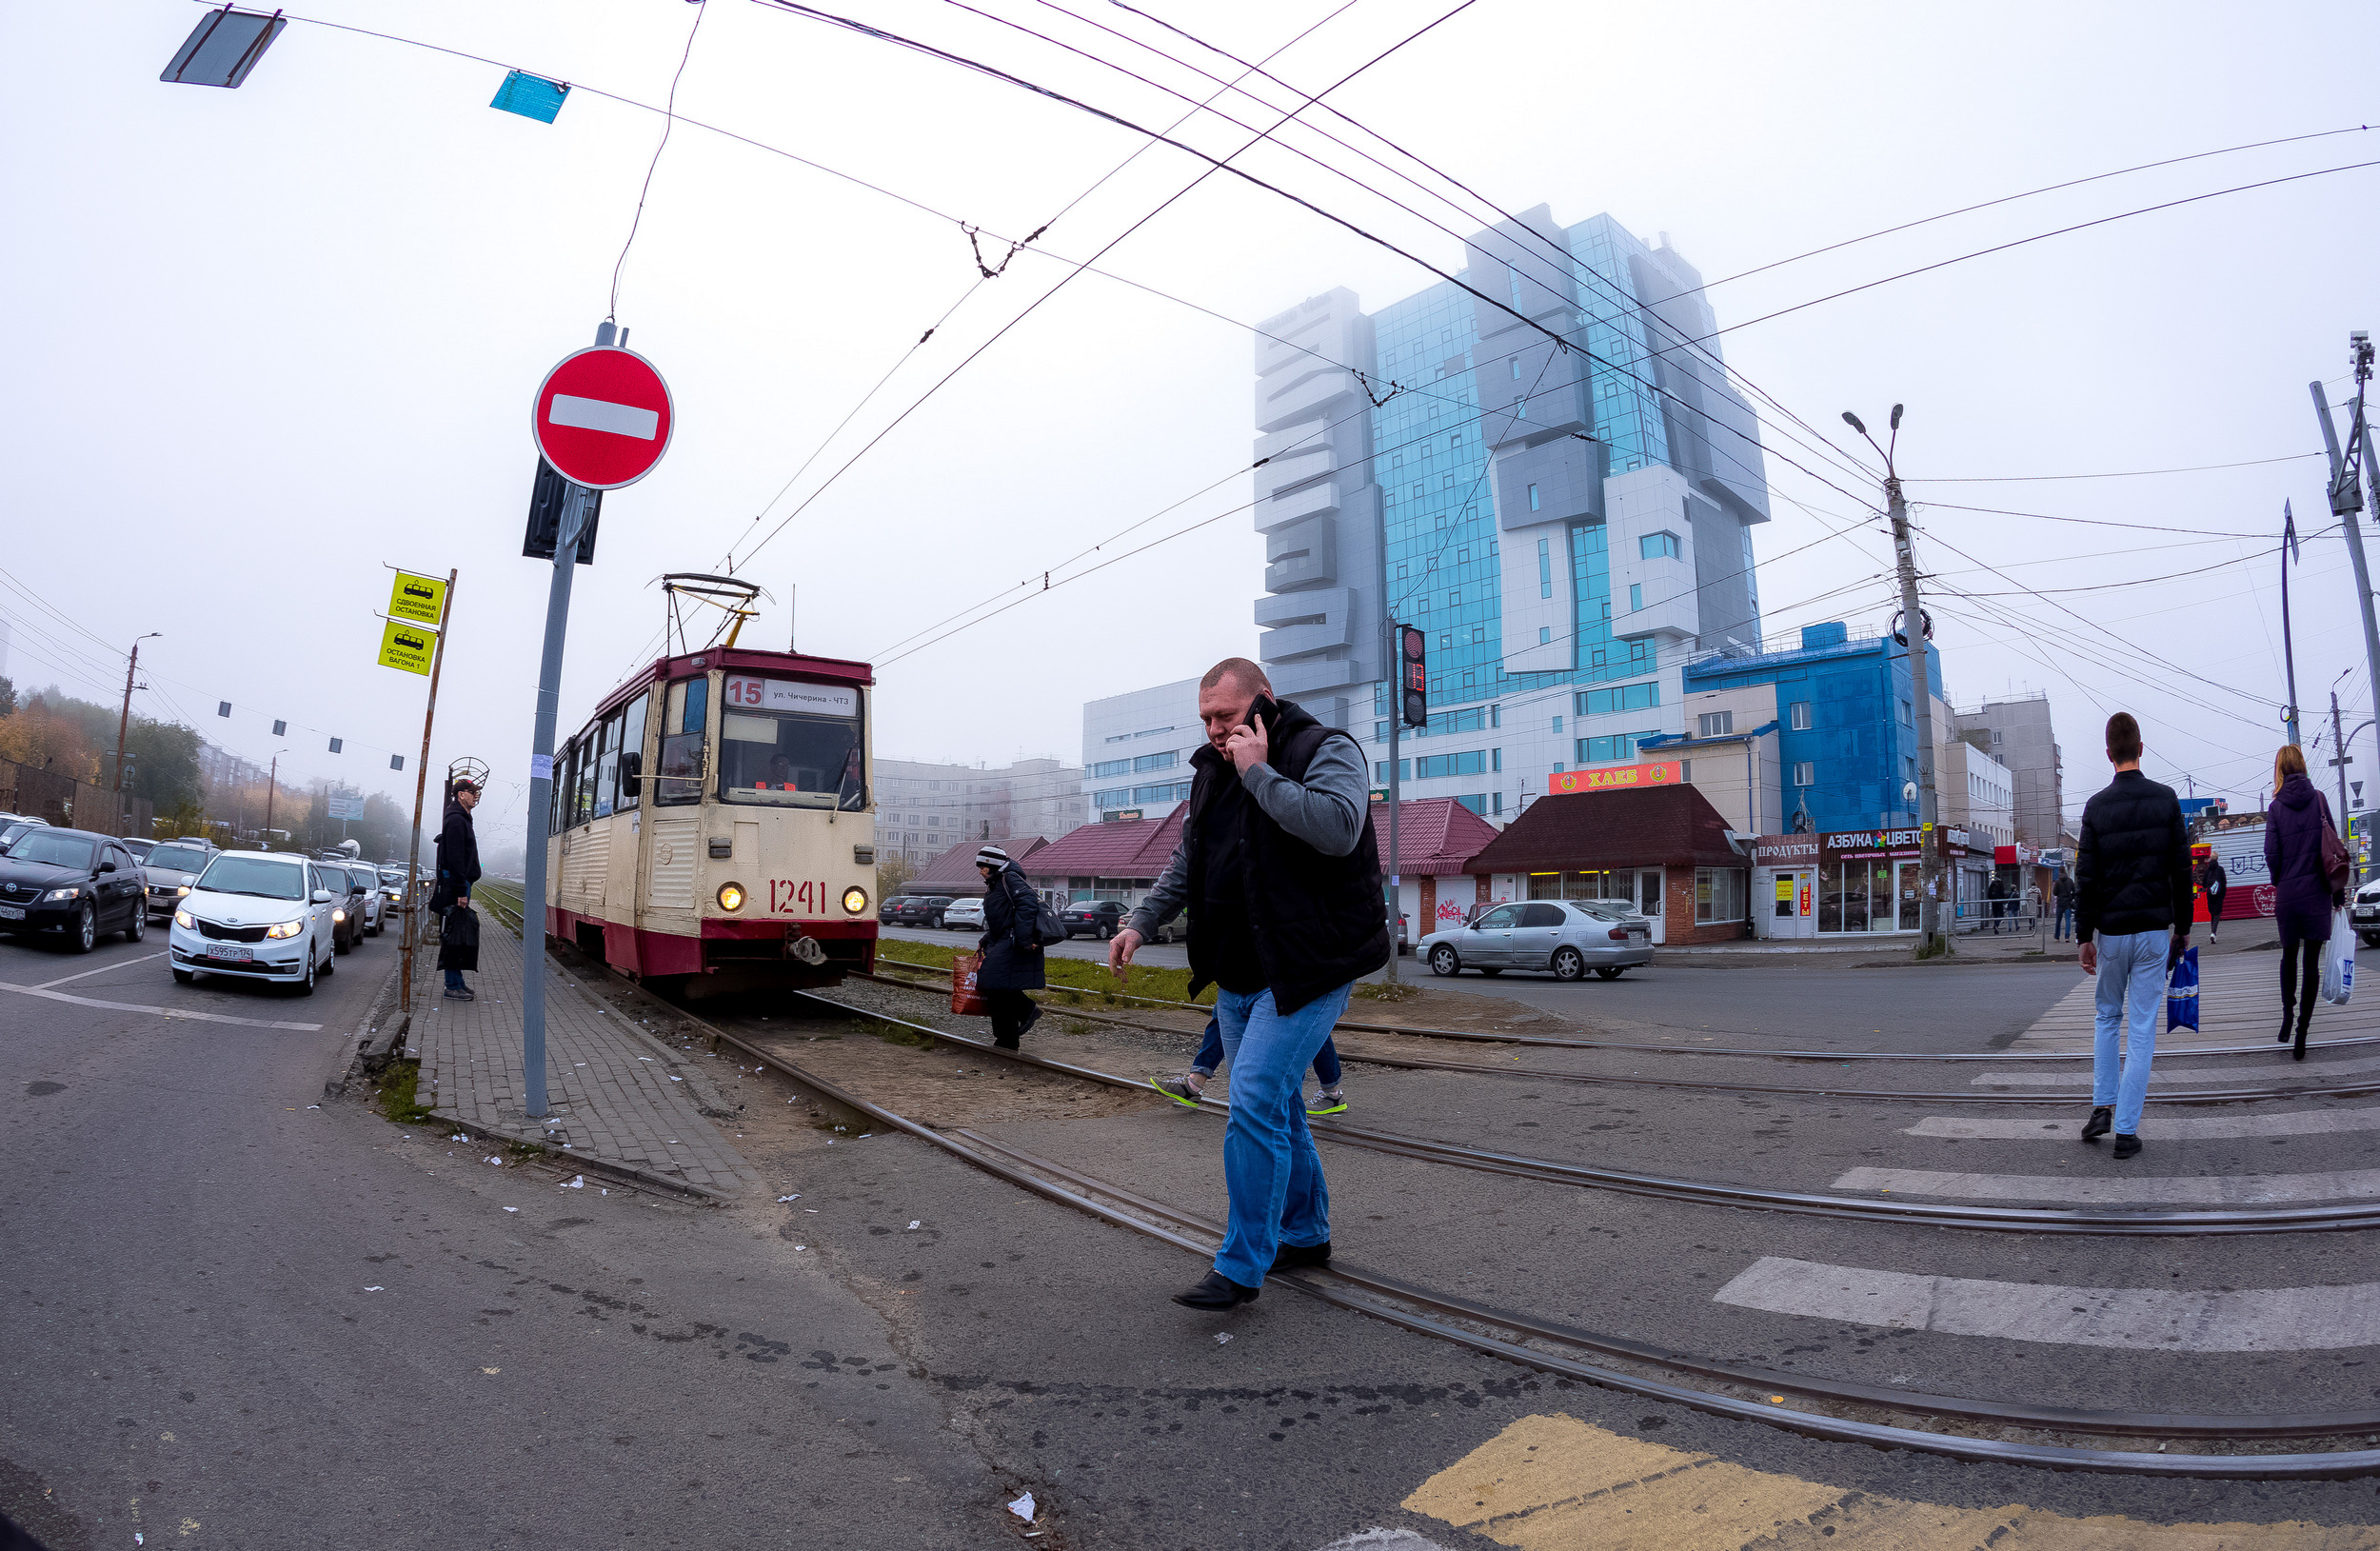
(1805, 773)
(1153, 761)
(1658, 546)
(1909, 768)
(1611, 748)
(1716, 723)
(1797, 716)
(1496, 760)
(1546, 570)
(1626, 697)
(1558, 723)
(1109, 768)
(1635, 596)
(1905, 717)
(1380, 771)
(1532, 498)
(1545, 638)
(1718, 895)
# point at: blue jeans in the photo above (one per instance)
(2131, 993)
(1210, 1056)
(1270, 1167)
(454, 980)
(2064, 921)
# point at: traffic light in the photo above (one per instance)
(1413, 676)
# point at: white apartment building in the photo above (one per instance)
(1136, 751)
(924, 808)
(1977, 792)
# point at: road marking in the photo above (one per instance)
(162, 1012)
(2116, 1189)
(2287, 1071)
(2146, 1319)
(101, 970)
(1556, 1484)
(2304, 1123)
(602, 415)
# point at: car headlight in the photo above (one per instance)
(855, 899)
(338, 915)
(181, 919)
(61, 893)
(285, 928)
(731, 896)
(181, 890)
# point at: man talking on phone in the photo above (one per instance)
(1278, 867)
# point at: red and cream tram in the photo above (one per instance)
(713, 827)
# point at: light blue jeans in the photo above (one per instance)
(1270, 1167)
(2131, 992)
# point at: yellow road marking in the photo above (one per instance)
(1556, 1484)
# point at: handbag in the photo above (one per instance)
(2338, 961)
(965, 999)
(2181, 992)
(1047, 929)
(2335, 868)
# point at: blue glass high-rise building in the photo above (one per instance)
(1569, 521)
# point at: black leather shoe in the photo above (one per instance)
(1216, 1292)
(1290, 1257)
(2126, 1146)
(2102, 1121)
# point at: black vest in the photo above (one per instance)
(1318, 921)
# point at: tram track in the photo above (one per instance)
(1938, 1097)
(1833, 1411)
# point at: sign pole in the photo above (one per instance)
(412, 925)
(574, 514)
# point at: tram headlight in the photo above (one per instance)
(855, 899)
(731, 897)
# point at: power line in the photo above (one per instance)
(669, 122)
(2121, 474)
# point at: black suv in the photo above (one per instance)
(74, 883)
(917, 910)
(1103, 919)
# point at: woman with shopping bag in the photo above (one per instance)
(1011, 947)
(2308, 863)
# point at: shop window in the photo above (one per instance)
(1718, 895)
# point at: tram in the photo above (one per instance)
(712, 826)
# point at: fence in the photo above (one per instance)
(69, 804)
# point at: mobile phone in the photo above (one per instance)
(1262, 709)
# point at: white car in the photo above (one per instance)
(258, 915)
(2367, 916)
(964, 915)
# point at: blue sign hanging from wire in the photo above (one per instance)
(531, 96)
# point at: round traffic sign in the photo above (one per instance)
(603, 417)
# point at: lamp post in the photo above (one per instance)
(1930, 940)
(272, 778)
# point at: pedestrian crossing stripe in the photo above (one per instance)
(1558, 1483)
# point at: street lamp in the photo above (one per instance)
(272, 777)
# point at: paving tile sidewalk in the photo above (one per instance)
(616, 1094)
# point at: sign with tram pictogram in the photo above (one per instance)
(603, 417)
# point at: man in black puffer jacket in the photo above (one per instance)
(458, 869)
(2132, 888)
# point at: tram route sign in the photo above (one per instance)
(406, 647)
(603, 417)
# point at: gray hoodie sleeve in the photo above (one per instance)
(1327, 809)
(1165, 897)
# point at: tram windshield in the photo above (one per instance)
(790, 744)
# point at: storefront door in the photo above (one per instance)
(1911, 889)
(1649, 899)
(1791, 907)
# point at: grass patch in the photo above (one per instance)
(1072, 982)
(395, 1095)
(1381, 990)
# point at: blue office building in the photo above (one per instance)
(1544, 476)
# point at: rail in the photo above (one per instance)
(503, 902)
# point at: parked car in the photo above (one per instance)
(917, 910)
(350, 894)
(1176, 931)
(260, 915)
(2367, 914)
(1102, 919)
(172, 869)
(1563, 938)
(963, 914)
(75, 883)
(13, 825)
(889, 908)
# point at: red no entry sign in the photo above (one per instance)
(603, 417)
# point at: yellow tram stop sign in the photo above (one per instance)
(407, 646)
(421, 599)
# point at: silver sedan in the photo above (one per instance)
(1564, 938)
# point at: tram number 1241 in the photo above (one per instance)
(806, 895)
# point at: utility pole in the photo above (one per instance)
(2345, 501)
(272, 777)
(2338, 757)
(1395, 787)
(2288, 652)
(124, 720)
(1930, 940)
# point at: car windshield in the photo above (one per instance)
(178, 858)
(56, 849)
(789, 744)
(254, 876)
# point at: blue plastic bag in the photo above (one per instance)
(2181, 992)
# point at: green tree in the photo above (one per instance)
(8, 697)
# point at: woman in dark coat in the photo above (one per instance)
(2293, 830)
(1011, 947)
(2217, 882)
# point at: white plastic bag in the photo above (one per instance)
(2338, 961)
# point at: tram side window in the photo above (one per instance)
(683, 715)
(560, 819)
(583, 782)
(632, 752)
(606, 766)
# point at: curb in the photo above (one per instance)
(371, 1050)
(590, 1163)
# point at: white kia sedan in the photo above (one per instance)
(258, 915)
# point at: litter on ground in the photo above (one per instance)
(1023, 1507)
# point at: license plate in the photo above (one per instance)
(229, 950)
(11, 912)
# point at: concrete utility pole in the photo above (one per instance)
(2338, 757)
(1931, 938)
(124, 721)
(2289, 650)
(2345, 501)
(1395, 787)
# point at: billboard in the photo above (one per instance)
(1661, 773)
